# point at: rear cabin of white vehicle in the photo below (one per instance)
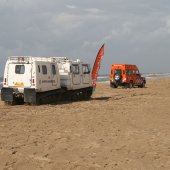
(26, 78)
(44, 80)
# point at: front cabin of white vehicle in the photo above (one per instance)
(26, 78)
(74, 74)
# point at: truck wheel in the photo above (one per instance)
(130, 85)
(113, 85)
(142, 85)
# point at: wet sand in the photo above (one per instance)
(119, 129)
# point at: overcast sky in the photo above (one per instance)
(134, 31)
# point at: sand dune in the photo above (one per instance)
(117, 129)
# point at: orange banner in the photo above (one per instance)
(96, 65)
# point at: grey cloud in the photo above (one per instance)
(133, 31)
(71, 6)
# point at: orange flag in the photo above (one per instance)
(96, 65)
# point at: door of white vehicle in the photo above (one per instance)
(54, 75)
(86, 74)
(76, 74)
(19, 75)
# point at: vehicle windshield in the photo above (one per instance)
(118, 71)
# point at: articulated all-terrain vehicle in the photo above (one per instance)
(37, 80)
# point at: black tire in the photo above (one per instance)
(130, 85)
(113, 85)
(142, 85)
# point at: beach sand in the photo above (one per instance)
(119, 129)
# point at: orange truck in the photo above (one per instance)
(126, 75)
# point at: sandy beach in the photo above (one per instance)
(118, 129)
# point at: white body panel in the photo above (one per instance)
(39, 73)
(19, 79)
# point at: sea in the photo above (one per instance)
(105, 77)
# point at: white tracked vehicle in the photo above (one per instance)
(44, 80)
(38, 80)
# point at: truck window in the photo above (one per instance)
(75, 69)
(19, 69)
(86, 69)
(129, 72)
(53, 69)
(118, 71)
(44, 69)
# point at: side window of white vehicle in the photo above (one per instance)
(75, 69)
(53, 69)
(39, 69)
(19, 69)
(44, 69)
(86, 69)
